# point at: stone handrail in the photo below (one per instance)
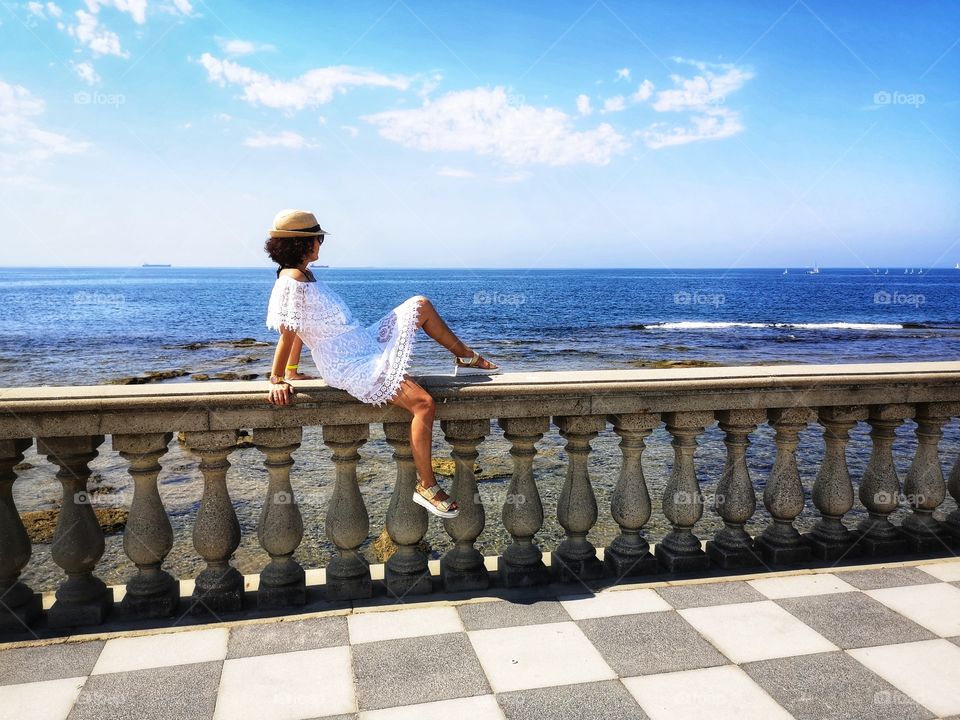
(69, 424)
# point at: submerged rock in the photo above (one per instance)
(384, 547)
(661, 364)
(42, 524)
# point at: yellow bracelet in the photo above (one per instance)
(293, 367)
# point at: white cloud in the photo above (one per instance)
(429, 84)
(350, 130)
(712, 125)
(242, 47)
(86, 72)
(702, 91)
(24, 144)
(136, 9)
(583, 105)
(42, 11)
(623, 74)
(314, 87)
(515, 177)
(643, 92)
(223, 117)
(285, 139)
(484, 121)
(614, 104)
(183, 6)
(454, 172)
(95, 36)
(703, 95)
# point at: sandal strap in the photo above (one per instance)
(431, 493)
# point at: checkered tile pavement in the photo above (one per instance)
(859, 643)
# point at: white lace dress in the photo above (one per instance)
(368, 361)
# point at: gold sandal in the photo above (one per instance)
(464, 366)
(425, 496)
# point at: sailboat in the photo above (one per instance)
(957, 266)
(815, 270)
(887, 271)
(785, 271)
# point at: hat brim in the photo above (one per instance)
(295, 233)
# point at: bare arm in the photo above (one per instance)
(280, 389)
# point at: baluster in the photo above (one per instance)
(924, 486)
(780, 543)
(736, 501)
(576, 557)
(629, 553)
(521, 564)
(462, 568)
(280, 530)
(406, 571)
(83, 598)
(216, 530)
(953, 519)
(880, 485)
(148, 536)
(347, 524)
(19, 605)
(833, 488)
(680, 550)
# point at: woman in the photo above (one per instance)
(369, 362)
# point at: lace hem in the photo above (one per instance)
(390, 382)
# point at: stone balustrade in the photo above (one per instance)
(70, 426)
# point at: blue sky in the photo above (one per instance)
(482, 134)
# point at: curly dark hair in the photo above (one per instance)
(289, 252)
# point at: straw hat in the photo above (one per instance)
(295, 223)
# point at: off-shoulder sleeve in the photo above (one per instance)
(287, 305)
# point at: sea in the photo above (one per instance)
(92, 326)
(87, 326)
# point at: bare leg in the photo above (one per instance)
(434, 326)
(415, 399)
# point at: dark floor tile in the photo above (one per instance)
(416, 670)
(886, 577)
(280, 637)
(832, 686)
(682, 597)
(48, 662)
(506, 613)
(646, 643)
(607, 700)
(853, 620)
(185, 692)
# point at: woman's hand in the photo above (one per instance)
(281, 393)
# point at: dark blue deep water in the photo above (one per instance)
(87, 325)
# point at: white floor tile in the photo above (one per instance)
(755, 631)
(532, 656)
(46, 700)
(948, 570)
(719, 693)
(801, 585)
(287, 686)
(617, 602)
(928, 671)
(393, 624)
(936, 606)
(150, 651)
(480, 707)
